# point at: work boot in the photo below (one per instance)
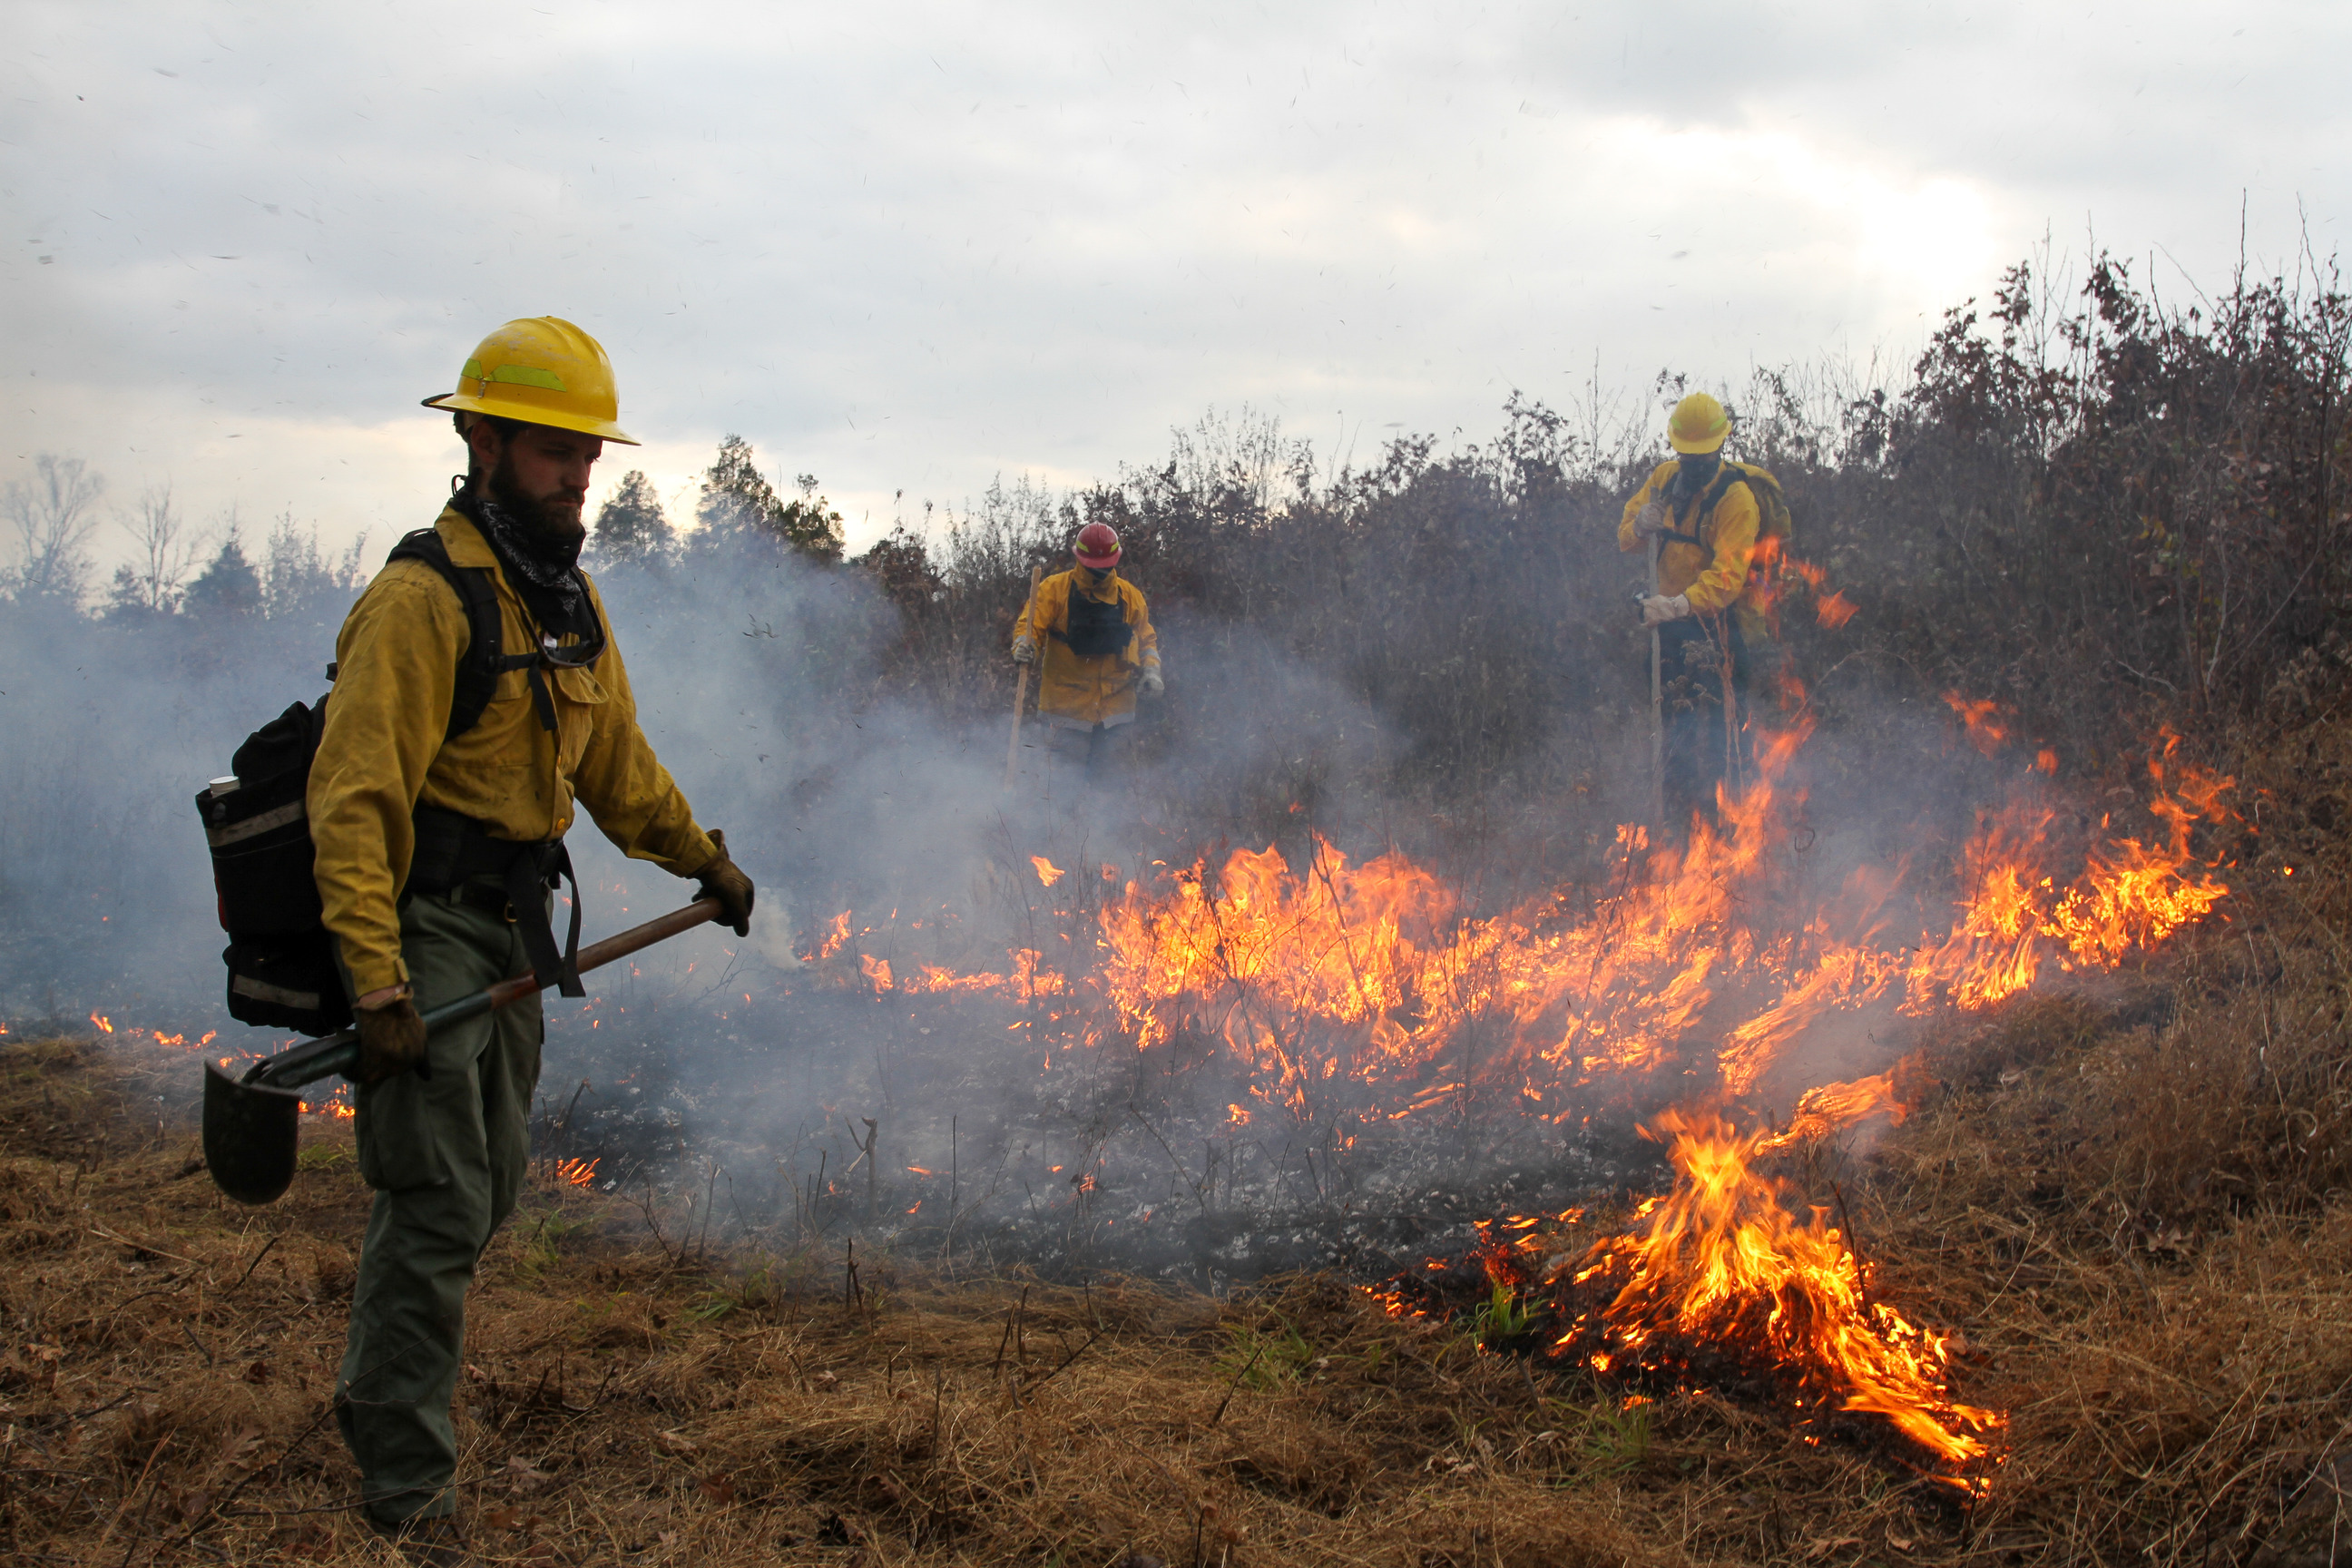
(428, 1542)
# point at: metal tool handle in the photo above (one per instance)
(339, 1052)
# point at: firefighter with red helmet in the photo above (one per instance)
(1089, 633)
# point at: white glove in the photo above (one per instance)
(1153, 685)
(1657, 609)
(1649, 520)
(1024, 650)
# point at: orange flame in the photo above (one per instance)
(1721, 1264)
(1048, 872)
(105, 1025)
(1980, 717)
(1833, 1107)
(836, 936)
(1373, 988)
(577, 1172)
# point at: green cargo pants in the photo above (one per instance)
(446, 1157)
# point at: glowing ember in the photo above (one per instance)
(1721, 1273)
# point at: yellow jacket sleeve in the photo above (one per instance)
(1627, 539)
(385, 720)
(1145, 649)
(1042, 610)
(635, 803)
(1734, 538)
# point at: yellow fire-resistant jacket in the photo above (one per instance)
(1082, 692)
(382, 753)
(1714, 574)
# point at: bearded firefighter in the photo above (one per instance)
(478, 697)
(1704, 516)
(1089, 633)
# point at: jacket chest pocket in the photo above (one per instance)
(578, 696)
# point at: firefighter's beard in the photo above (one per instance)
(553, 518)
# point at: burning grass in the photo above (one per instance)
(2121, 1214)
(1345, 995)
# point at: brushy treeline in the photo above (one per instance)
(2104, 512)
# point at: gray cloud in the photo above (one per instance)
(906, 248)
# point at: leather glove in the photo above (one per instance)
(1658, 608)
(1153, 685)
(392, 1040)
(724, 880)
(1024, 650)
(1649, 520)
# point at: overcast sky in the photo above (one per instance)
(910, 247)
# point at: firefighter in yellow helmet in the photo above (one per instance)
(478, 696)
(1090, 632)
(1704, 521)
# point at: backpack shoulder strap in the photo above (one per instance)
(1732, 474)
(486, 659)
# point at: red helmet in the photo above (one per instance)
(1098, 546)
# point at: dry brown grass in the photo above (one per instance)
(2143, 1228)
(2133, 1207)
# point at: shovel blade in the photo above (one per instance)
(250, 1136)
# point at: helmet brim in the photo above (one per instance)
(528, 414)
(1698, 448)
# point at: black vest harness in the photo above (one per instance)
(1093, 628)
(1719, 487)
(452, 850)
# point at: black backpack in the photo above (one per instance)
(281, 960)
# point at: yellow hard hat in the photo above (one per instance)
(1698, 426)
(541, 369)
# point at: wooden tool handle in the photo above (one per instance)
(1021, 687)
(339, 1052)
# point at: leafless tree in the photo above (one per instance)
(165, 552)
(52, 518)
